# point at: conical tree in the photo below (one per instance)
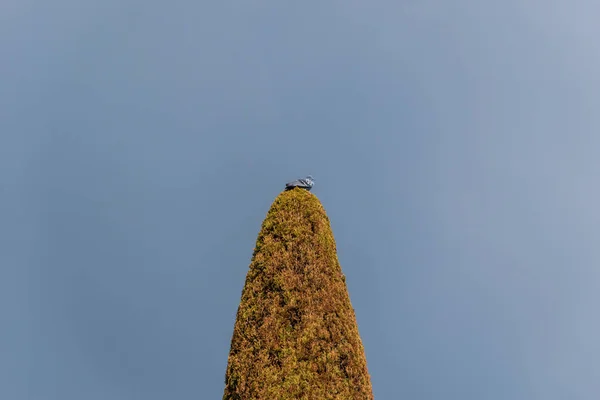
(295, 335)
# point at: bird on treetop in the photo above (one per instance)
(304, 183)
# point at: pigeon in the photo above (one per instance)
(305, 183)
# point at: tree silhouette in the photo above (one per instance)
(295, 335)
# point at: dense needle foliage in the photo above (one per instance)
(295, 336)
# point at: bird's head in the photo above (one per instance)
(310, 178)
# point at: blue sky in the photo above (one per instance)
(455, 148)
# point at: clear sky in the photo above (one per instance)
(455, 146)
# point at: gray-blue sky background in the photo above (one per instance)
(455, 147)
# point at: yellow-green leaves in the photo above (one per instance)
(295, 335)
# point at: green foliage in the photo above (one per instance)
(295, 335)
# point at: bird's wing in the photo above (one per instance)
(304, 182)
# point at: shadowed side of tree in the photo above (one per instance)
(295, 336)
